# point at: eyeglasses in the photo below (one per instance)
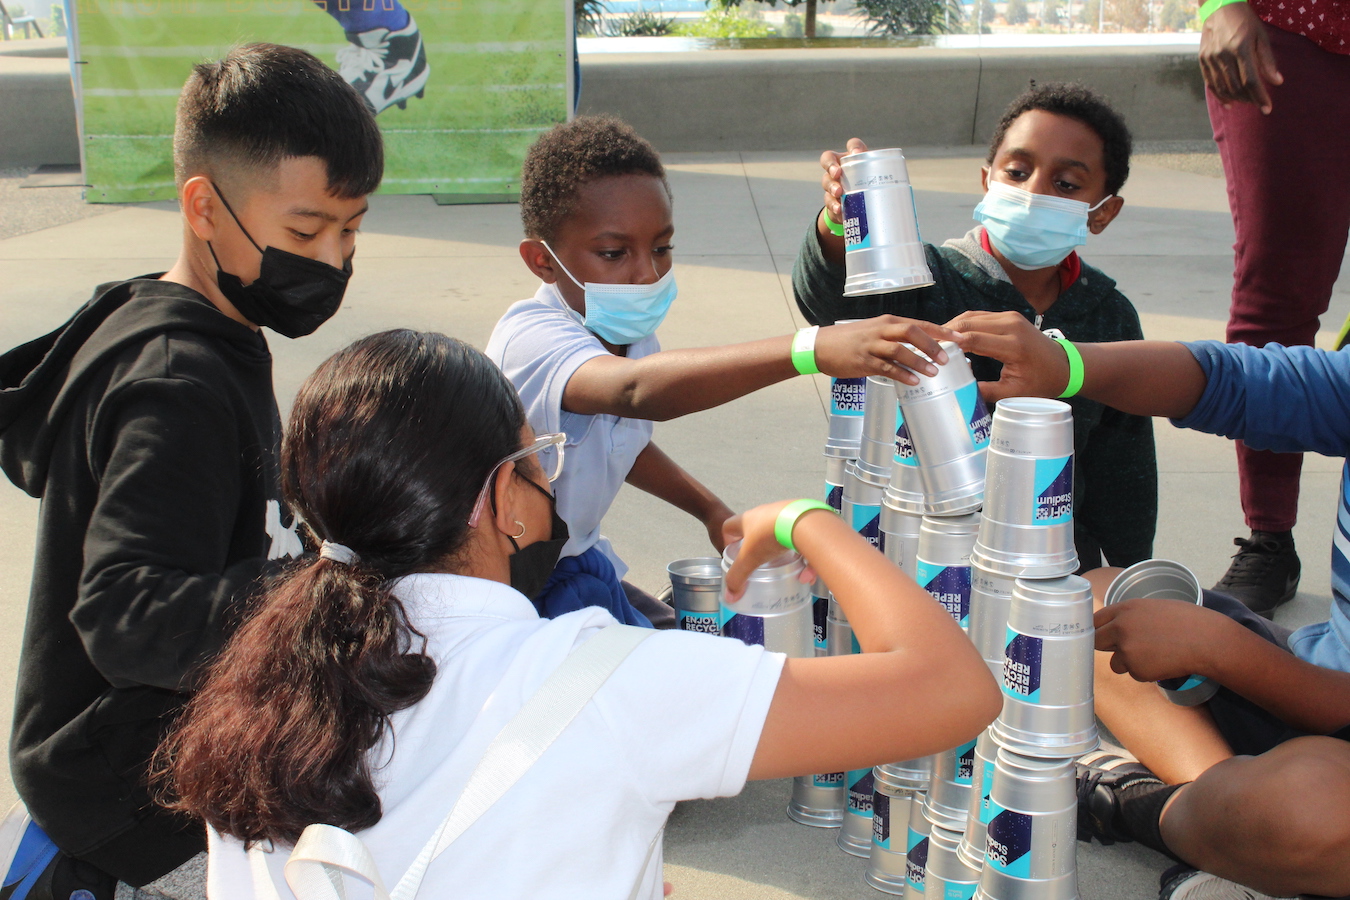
(550, 450)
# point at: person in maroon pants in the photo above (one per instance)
(1278, 77)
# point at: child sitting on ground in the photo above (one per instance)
(584, 357)
(1057, 161)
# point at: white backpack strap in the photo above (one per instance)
(315, 868)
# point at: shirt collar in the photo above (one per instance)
(1069, 268)
(441, 595)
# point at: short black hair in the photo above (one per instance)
(263, 103)
(1085, 105)
(569, 155)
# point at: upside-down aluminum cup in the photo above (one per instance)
(942, 566)
(846, 417)
(1031, 851)
(912, 774)
(883, 250)
(900, 536)
(990, 599)
(855, 834)
(696, 593)
(1027, 530)
(947, 423)
(1047, 670)
(948, 875)
(1165, 580)
(906, 487)
(890, 817)
(834, 498)
(876, 451)
(775, 588)
(817, 800)
(949, 789)
(861, 507)
(916, 849)
(977, 815)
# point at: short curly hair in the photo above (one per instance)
(572, 154)
(1082, 103)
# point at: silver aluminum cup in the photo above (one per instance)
(1047, 670)
(906, 486)
(862, 504)
(1027, 530)
(890, 819)
(883, 250)
(916, 849)
(1031, 851)
(910, 775)
(947, 423)
(942, 566)
(817, 800)
(948, 875)
(839, 634)
(855, 835)
(990, 598)
(1166, 580)
(834, 498)
(977, 814)
(846, 417)
(900, 536)
(877, 449)
(949, 790)
(696, 593)
(787, 633)
(820, 620)
(774, 588)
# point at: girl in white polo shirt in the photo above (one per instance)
(583, 352)
(368, 680)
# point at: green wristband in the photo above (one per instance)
(804, 351)
(838, 230)
(1075, 368)
(787, 519)
(1206, 10)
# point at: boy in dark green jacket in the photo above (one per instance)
(1057, 159)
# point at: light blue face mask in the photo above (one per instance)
(623, 314)
(1033, 231)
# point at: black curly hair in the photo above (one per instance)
(1085, 105)
(568, 156)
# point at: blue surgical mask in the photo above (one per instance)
(1033, 231)
(623, 314)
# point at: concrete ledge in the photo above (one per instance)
(37, 110)
(812, 99)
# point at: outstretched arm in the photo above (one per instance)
(659, 475)
(674, 383)
(1147, 378)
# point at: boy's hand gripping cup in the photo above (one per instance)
(1027, 531)
(1166, 580)
(775, 610)
(1047, 671)
(883, 251)
(947, 424)
(1030, 847)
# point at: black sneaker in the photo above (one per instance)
(1264, 573)
(1101, 776)
(1183, 882)
(386, 67)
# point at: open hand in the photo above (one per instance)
(830, 180)
(883, 345)
(1156, 639)
(1033, 364)
(1236, 58)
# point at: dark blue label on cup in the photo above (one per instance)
(861, 786)
(881, 820)
(904, 444)
(977, 416)
(1054, 491)
(747, 629)
(820, 611)
(856, 236)
(916, 858)
(834, 496)
(965, 763)
(1022, 667)
(828, 779)
(867, 522)
(948, 585)
(704, 622)
(847, 396)
(1008, 842)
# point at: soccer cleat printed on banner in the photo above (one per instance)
(386, 67)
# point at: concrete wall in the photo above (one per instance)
(754, 99)
(810, 99)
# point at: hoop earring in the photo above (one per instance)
(522, 530)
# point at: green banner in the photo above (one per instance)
(461, 87)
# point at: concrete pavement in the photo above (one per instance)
(739, 219)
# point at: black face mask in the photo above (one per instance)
(532, 565)
(292, 295)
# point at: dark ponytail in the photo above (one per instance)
(388, 444)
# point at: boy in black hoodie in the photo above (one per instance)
(1057, 161)
(148, 426)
